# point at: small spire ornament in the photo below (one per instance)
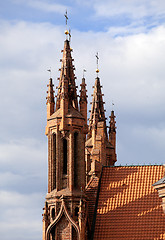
(97, 62)
(66, 17)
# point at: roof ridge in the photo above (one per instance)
(133, 165)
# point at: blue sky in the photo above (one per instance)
(130, 39)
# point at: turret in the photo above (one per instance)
(66, 130)
(50, 99)
(99, 151)
(83, 100)
(112, 130)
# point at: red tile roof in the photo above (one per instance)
(128, 206)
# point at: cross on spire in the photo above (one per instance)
(97, 62)
(66, 16)
(97, 59)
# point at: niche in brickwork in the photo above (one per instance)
(54, 161)
(65, 156)
(76, 211)
(53, 213)
(75, 159)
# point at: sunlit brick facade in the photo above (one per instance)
(88, 197)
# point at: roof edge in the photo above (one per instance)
(96, 205)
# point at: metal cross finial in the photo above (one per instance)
(66, 16)
(84, 70)
(97, 59)
(112, 105)
(49, 70)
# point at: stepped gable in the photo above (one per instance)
(128, 206)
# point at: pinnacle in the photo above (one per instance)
(50, 96)
(67, 85)
(97, 108)
(83, 95)
(112, 122)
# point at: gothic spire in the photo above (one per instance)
(97, 109)
(67, 86)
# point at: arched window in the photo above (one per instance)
(65, 156)
(76, 211)
(53, 213)
(75, 159)
(54, 161)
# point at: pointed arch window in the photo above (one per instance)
(54, 161)
(75, 159)
(65, 156)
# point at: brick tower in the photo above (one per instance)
(65, 210)
(100, 151)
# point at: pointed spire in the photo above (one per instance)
(112, 129)
(67, 86)
(50, 98)
(83, 99)
(97, 109)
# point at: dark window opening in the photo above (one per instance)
(75, 159)
(76, 211)
(53, 213)
(65, 156)
(53, 234)
(54, 160)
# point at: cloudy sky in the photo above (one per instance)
(130, 39)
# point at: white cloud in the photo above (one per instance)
(131, 70)
(132, 74)
(45, 6)
(135, 9)
(20, 215)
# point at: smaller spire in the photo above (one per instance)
(50, 98)
(97, 108)
(83, 100)
(112, 129)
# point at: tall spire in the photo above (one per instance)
(97, 108)
(67, 86)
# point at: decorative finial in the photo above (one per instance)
(97, 62)
(50, 71)
(66, 16)
(84, 70)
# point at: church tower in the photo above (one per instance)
(100, 150)
(65, 210)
